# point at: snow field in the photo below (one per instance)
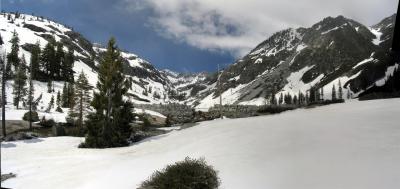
(353, 145)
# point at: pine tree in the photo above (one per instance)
(71, 93)
(280, 101)
(8, 71)
(109, 125)
(19, 86)
(12, 57)
(35, 60)
(49, 86)
(312, 97)
(288, 98)
(300, 101)
(295, 100)
(51, 104)
(82, 99)
(322, 93)
(58, 101)
(67, 64)
(272, 99)
(340, 91)
(307, 99)
(47, 59)
(3, 95)
(59, 59)
(64, 98)
(333, 92)
(348, 94)
(168, 121)
(31, 91)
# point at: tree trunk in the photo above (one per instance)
(106, 126)
(3, 96)
(81, 110)
(30, 96)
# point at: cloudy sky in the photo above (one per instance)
(195, 35)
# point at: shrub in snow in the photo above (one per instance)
(189, 173)
(75, 131)
(326, 102)
(58, 130)
(168, 122)
(59, 109)
(146, 123)
(35, 117)
(274, 109)
(47, 123)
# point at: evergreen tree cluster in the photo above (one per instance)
(288, 99)
(337, 95)
(48, 65)
(52, 63)
(67, 96)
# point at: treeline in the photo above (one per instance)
(51, 63)
(313, 95)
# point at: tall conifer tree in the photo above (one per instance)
(109, 126)
(12, 57)
(19, 86)
(64, 98)
(48, 59)
(82, 99)
(333, 92)
(59, 59)
(67, 64)
(35, 60)
(31, 91)
(340, 90)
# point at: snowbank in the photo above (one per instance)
(150, 112)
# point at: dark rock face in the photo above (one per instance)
(329, 49)
(34, 28)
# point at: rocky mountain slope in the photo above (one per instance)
(149, 84)
(294, 60)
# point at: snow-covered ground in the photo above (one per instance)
(354, 145)
(150, 112)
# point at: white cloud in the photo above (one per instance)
(238, 26)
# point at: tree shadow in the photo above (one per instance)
(8, 145)
(34, 140)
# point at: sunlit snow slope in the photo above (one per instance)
(348, 146)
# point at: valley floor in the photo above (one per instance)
(355, 145)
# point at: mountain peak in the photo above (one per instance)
(330, 22)
(386, 22)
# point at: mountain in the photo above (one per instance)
(187, 85)
(290, 61)
(150, 85)
(294, 60)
